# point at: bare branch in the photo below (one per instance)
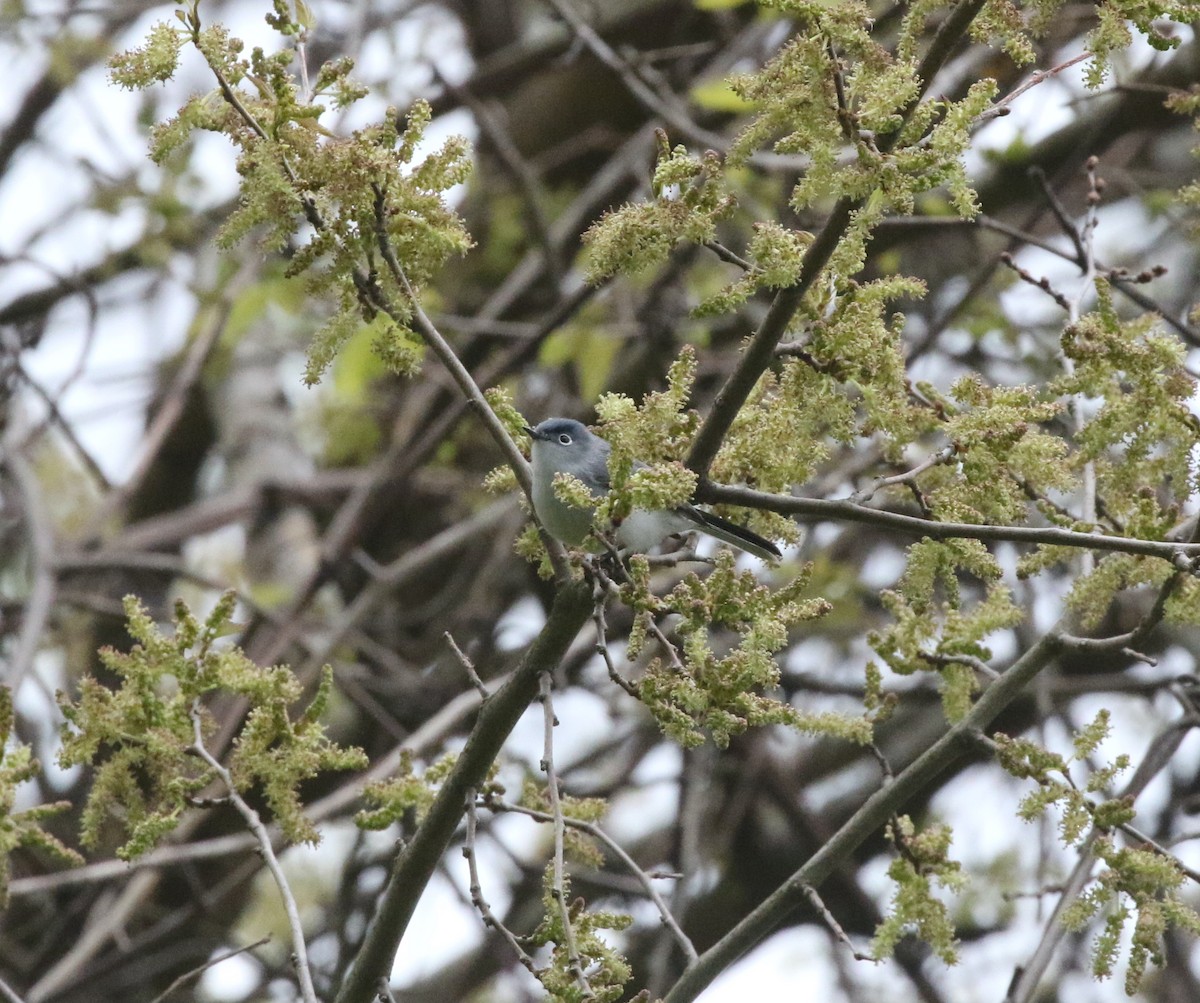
(604, 587)
(187, 977)
(558, 889)
(646, 880)
(875, 813)
(835, 927)
(263, 837)
(944, 455)
(41, 595)
(420, 856)
(441, 348)
(9, 994)
(489, 918)
(1001, 107)
(467, 664)
(824, 510)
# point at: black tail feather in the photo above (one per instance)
(738, 536)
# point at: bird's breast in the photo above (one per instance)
(566, 523)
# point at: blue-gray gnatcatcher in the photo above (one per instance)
(562, 445)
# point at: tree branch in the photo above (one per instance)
(200, 970)
(593, 829)
(441, 348)
(880, 807)
(420, 856)
(476, 889)
(42, 591)
(558, 879)
(821, 509)
(255, 824)
(761, 349)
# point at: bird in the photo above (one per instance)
(563, 445)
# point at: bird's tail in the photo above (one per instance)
(735, 535)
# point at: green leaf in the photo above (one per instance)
(589, 349)
(304, 16)
(718, 95)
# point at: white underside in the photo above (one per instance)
(640, 532)
(643, 530)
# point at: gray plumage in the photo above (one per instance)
(563, 445)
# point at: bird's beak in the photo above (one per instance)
(532, 433)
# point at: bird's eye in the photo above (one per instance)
(565, 439)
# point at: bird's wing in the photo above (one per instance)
(598, 471)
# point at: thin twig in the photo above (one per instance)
(669, 649)
(978, 664)
(148, 561)
(55, 415)
(725, 254)
(1052, 510)
(645, 879)
(1126, 284)
(1161, 850)
(255, 824)
(467, 664)
(302, 61)
(9, 993)
(818, 904)
(517, 330)
(944, 455)
(477, 899)
(885, 766)
(41, 545)
(669, 110)
(188, 976)
(1065, 222)
(845, 117)
(1000, 108)
(610, 588)
(599, 598)
(441, 348)
(1128, 642)
(1052, 889)
(1043, 283)
(1085, 243)
(545, 685)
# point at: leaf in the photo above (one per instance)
(717, 95)
(304, 16)
(591, 351)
